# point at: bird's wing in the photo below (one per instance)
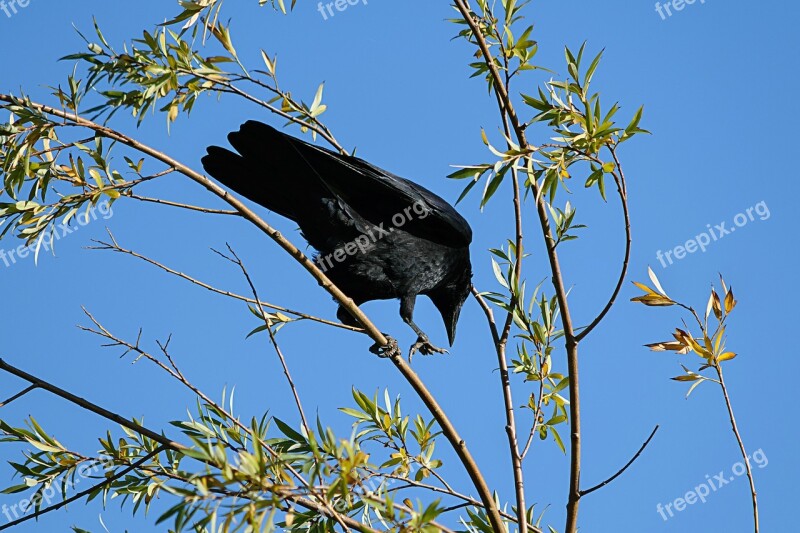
(380, 196)
(375, 194)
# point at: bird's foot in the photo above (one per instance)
(388, 351)
(424, 346)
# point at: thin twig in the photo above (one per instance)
(18, 395)
(531, 434)
(536, 413)
(488, 312)
(516, 456)
(623, 196)
(57, 149)
(694, 314)
(740, 442)
(274, 342)
(624, 468)
(182, 206)
(145, 179)
(233, 89)
(506, 109)
(114, 246)
(439, 527)
(505, 379)
(178, 375)
(89, 406)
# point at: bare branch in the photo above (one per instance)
(623, 196)
(182, 206)
(624, 468)
(740, 442)
(114, 246)
(489, 314)
(18, 395)
(89, 406)
(274, 342)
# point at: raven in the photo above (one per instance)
(378, 236)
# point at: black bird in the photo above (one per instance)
(378, 236)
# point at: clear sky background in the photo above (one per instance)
(717, 80)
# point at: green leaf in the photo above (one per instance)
(557, 438)
(493, 184)
(289, 432)
(498, 273)
(15, 489)
(43, 447)
(587, 78)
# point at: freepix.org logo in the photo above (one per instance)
(713, 234)
(667, 9)
(12, 7)
(9, 258)
(710, 485)
(364, 241)
(326, 9)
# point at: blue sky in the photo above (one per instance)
(716, 79)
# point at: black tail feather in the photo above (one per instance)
(267, 170)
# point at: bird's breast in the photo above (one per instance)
(395, 265)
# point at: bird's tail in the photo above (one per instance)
(271, 168)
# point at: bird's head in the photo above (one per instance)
(450, 297)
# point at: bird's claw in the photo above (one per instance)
(388, 351)
(424, 346)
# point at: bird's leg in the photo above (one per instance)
(391, 349)
(423, 344)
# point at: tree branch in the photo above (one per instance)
(466, 499)
(18, 395)
(623, 196)
(624, 468)
(740, 442)
(274, 342)
(115, 247)
(178, 375)
(182, 206)
(89, 406)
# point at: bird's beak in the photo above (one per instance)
(450, 323)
